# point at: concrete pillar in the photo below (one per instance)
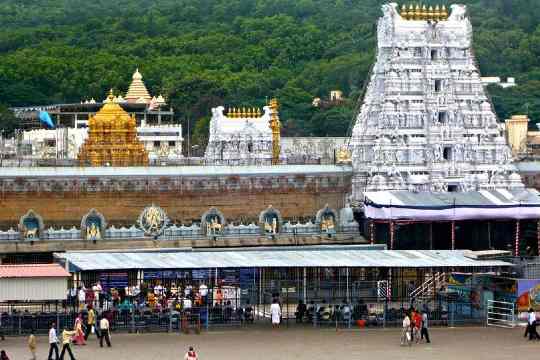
(516, 240)
(392, 231)
(538, 237)
(453, 235)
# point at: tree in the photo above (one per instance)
(8, 122)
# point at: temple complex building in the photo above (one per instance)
(239, 137)
(426, 122)
(148, 110)
(112, 139)
(160, 141)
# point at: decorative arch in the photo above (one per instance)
(213, 222)
(270, 221)
(31, 226)
(93, 225)
(327, 220)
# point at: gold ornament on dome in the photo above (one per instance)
(422, 12)
(112, 139)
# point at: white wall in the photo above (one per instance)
(35, 289)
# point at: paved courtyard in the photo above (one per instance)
(301, 344)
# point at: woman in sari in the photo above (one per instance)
(78, 339)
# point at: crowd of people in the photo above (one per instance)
(415, 327)
(153, 296)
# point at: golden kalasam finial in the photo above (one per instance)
(404, 11)
(243, 113)
(444, 13)
(231, 113)
(430, 13)
(436, 13)
(424, 12)
(410, 12)
(417, 12)
(259, 112)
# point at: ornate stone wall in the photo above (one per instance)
(63, 201)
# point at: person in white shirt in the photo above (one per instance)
(405, 335)
(53, 342)
(531, 325)
(186, 303)
(275, 313)
(82, 298)
(104, 329)
(424, 332)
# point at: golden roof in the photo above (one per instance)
(137, 92)
(112, 138)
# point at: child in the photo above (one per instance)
(32, 344)
(191, 354)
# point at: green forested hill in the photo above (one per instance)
(237, 52)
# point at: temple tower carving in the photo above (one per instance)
(426, 123)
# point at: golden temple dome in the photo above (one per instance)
(137, 92)
(112, 138)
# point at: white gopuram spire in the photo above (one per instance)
(426, 123)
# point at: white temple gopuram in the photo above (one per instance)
(240, 137)
(426, 123)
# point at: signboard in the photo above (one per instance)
(113, 280)
(229, 276)
(528, 293)
(200, 274)
(247, 277)
(166, 274)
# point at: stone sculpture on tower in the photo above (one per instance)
(426, 123)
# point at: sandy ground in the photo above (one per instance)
(301, 344)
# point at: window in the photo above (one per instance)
(157, 144)
(433, 54)
(417, 52)
(438, 85)
(172, 143)
(447, 153)
(452, 188)
(442, 117)
(250, 147)
(50, 142)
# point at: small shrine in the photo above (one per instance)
(137, 92)
(241, 136)
(112, 139)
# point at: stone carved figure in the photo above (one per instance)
(93, 232)
(153, 220)
(390, 110)
(457, 12)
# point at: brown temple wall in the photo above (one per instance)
(123, 208)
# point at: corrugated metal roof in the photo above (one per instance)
(32, 271)
(496, 197)
(319, 257)
(444, 206)
(10, 172)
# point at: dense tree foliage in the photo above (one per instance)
(238, 53)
